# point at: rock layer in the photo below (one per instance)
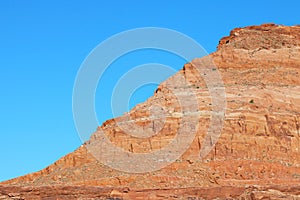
(99, 193)
(260, 140)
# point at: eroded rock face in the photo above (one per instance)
(260, 140)
(100, 193)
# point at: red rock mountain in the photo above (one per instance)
(257, 155)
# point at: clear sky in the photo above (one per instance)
(43, 44)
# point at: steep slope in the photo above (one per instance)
(260, 140)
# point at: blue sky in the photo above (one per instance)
(43, 44)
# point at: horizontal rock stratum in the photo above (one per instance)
(256, 156)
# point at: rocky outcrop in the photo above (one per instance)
(260, 140)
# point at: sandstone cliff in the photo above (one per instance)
(260, 140)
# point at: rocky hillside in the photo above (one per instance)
(259, 146)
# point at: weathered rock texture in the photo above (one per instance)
(256, 156)
(106, 193)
